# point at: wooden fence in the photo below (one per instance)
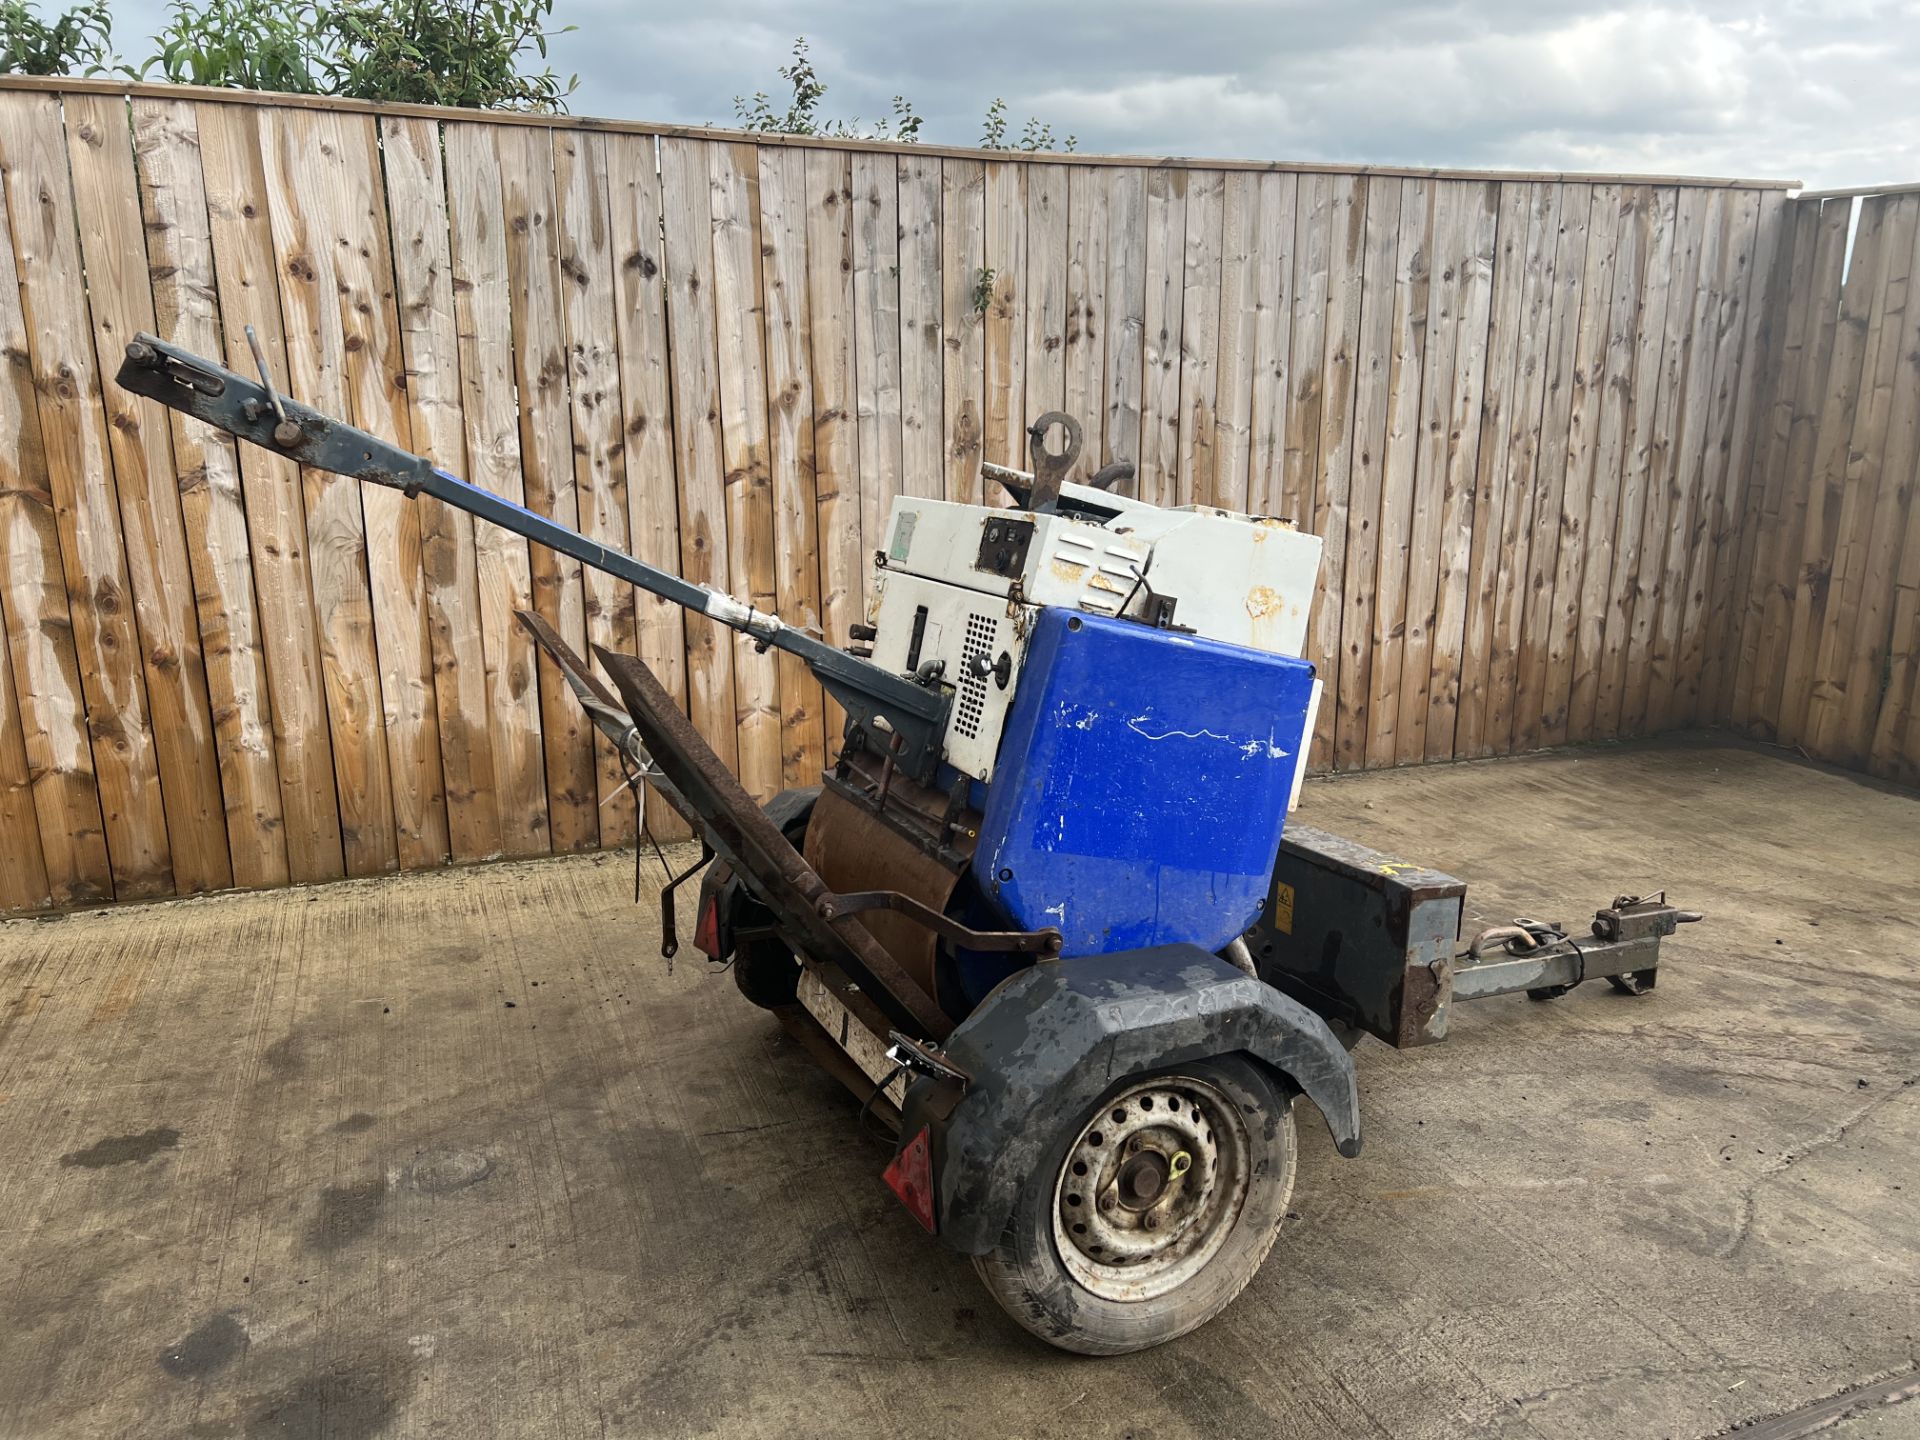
(1517, 407)
(1829, 641)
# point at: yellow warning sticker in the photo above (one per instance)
(1283, 908)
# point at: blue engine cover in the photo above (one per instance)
(1141, 785)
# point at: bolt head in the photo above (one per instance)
(1153, 1222)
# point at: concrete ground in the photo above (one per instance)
(457, 1155)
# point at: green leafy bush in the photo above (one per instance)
(79, 42)
(426, 52)
(802, 115)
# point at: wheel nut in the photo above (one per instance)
(1107, 1202)
(1153, 1222)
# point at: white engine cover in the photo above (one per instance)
(1231, 577)
(961, 585)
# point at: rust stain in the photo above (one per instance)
(118, 1000)
(1262, 601)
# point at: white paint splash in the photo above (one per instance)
(1200, 734)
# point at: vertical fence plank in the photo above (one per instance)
(1687, 514)
(483, 326)
(1312, 249)
(1815, 352)
(1399, 453)
(245, 274)
(1638, 480)
(688, 227)
(1786, 326)
(1006, 327)
(356, 259)
(836, 463)
(1159, 462)
(876, 319)
(1239, 317)
(964, 297)
(1373, 376)
(1530, 713)
(1611, 405)
(640, 323)
(430, 349)
(1851, 538)
(1086, 333)
(783, 230)
(59, 350)
(1272, 342)
(23, 875)
(1046, 293)
(1586, 401)
(303, 153)
(743, 444)
(1519, 446)
(1491, 480)
(1479, 204)
(1199, 339)
(1347, 253)
(1126, 315)
(1650, 582)
(1711, 529)
(922, 361)
(1766, 305)
(65, 863)
(1426, 532)
(173, 205)
(120, 302)
(546, 467)
(1829, 426)
(1891, 740)
(584, 236)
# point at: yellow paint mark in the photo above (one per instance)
(1396, 867)
(1283, 908)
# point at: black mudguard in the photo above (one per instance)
(736, 906)
(1048, 1043)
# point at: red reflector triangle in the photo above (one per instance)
(706, 932)
(910, 1176)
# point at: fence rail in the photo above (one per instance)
(1517, 407)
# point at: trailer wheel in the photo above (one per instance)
(766, 972)
(765, 969)
(1152, 1211)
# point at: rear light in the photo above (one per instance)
(910, 1176)
(706, 930)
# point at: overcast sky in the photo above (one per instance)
(1824, 91)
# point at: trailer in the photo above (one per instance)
(1044, 912)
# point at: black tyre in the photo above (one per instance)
(1151, 1211)
(766, 972)
(765, 969)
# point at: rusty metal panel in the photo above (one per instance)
(853, 849)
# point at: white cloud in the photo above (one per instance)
(1821, 90)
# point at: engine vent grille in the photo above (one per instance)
(981, 631)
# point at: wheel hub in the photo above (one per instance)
(1143, 1179)
(1151, 1188)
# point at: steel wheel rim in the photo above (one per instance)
(1151, 1188)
